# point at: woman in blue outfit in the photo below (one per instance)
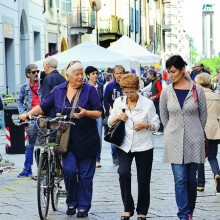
(80, 161)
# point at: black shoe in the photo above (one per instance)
(127, 217)
(71, 210)
(82, 214)
(141, 218)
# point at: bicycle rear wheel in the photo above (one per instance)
(43, 187)
(57, 177)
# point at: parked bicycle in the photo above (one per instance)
(50, 171)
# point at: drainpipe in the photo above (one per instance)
(135, 37)
(129, 18)
(140, 5)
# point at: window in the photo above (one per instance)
(66, 6)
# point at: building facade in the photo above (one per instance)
(176, 39)
(21, 40)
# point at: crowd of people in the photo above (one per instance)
(182, 111)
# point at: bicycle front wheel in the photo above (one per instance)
(43, 187)
(57, 177)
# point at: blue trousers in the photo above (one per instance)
(32, 132)
(99, 125)
(212, 158)
(185, 188)
(78, 178)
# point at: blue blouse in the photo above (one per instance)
(84, 139)
(181, 95)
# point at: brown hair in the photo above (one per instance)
(129, 81)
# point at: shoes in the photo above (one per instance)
(115, 162)
(190, 217)
(141, 218)
(127, 217)
(82, 214)
(71, 210)
(98, 165)
(158, 133)
(217, 183)
(200, 188)
(24, 174)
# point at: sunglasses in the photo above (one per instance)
(34, 71)
(71, 63)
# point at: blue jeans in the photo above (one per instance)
(99, 126)
(212, 158)
(114, 152)
(185, 188)
(32, 132)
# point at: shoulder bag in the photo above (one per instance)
(63, 134)
(116, 132)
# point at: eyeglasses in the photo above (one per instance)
(34, 71)
(72, 63)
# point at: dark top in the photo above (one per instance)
(112, 92)
(181, 95)
(1, 104)
(84, 138)
(50, 81)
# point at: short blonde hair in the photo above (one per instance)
(75, 66)
(204, 79)
(129, 80)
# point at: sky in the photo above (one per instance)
(193, 21)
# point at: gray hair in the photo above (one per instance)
(75, 66)
(108, 77)
(29, 68)
(51, 61)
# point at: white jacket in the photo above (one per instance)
(144, 111)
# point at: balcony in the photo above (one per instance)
(81, 21)
(110, 29)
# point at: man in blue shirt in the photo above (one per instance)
(113, 91)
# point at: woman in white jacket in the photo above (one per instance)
(140, 120)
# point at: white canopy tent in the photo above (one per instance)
(91, 54)
(126, 46)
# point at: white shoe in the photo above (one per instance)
(158, 133)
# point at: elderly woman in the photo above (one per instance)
(80, 161)
(140, 120)
(212, 130)
(184, 119)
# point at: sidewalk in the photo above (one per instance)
(19, 199)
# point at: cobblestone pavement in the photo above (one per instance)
(18, 197)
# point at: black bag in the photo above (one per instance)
(116, 133)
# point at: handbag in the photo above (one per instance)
(63, 133)
(195, 96)
(116, 133)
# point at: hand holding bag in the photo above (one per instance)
(63, 134)
(116, 133)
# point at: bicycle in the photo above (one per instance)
(50, 171)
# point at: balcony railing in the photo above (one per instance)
(81, 18)
(111, 25)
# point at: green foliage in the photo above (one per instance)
(212, 63)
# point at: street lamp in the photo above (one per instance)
(96, 6)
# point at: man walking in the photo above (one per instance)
(29, 97)
(113, 91)
(52, 79)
